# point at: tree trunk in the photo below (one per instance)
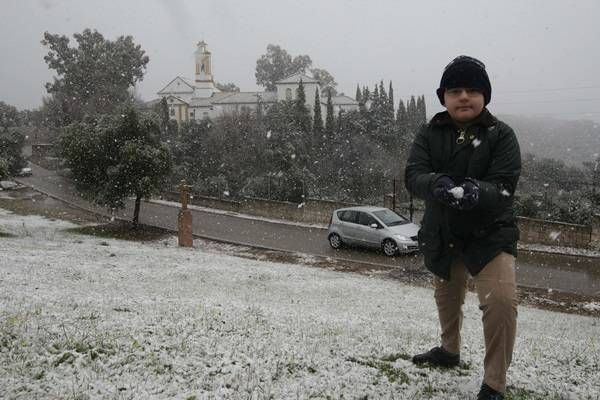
(136, 210)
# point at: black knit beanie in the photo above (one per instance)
(465, 72)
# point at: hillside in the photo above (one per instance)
(571, 141)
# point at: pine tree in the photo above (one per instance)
(317, 117)
(329, 119)
(358, 94)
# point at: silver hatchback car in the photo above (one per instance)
(375, 227)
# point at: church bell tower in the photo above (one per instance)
(204, 82)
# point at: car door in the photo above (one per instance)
(348, 226)
(369, 236)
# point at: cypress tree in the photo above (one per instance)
(401, 117)
(383, 99)
(391, 100)
(302, 113)
(317, 117)
(329, 119)
(366, 96)
(358, 94)
(412, 113)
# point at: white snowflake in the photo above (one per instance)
(268, 134)
(476, 142)
(505, 192)
(554, 235)
(293, 156)
(226, 193)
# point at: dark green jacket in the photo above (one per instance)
(490, 155)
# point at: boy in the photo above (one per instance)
(465, 164)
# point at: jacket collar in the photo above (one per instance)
(485, 119)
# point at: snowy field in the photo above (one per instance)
(83, 317)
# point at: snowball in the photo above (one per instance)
(457, 192)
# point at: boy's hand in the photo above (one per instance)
(470, 196)
(462, 197)
(442, 190)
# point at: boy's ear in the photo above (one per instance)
(440, 94)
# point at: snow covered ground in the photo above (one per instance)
(84, 317)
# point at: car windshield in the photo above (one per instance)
(390, 218)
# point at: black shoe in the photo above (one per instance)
(437, 357)
(487, 393)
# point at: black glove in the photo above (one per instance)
(470, 197)
(441, 190)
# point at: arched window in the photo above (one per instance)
(288, 94)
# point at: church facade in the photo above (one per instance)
(199, 98)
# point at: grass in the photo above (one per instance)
(123, 231)
(385, 368)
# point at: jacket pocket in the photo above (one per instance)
(430, 243)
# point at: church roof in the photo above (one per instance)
(343, 100)
(173, 89)
(244, 98)
(295, 78)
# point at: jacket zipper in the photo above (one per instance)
(461, 138)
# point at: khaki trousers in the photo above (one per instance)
(496, 289)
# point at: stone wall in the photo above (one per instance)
(554, 233)
(314, 211)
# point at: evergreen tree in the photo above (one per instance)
(302, 113)
(358, 94)
(375, 106)
(329, 119)
(317, 117)
(412, 114)
(391, 100)
(366, 95)
(383, 99)
(401, 117)
(114, 156)
(423, 111)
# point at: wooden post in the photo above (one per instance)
(184, 218)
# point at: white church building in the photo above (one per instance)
(200, 98)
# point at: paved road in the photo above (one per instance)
(564, 273)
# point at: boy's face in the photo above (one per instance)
(464, 104)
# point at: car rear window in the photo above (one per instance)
(347, 216)
(390, 218)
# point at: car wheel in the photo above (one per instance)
(335, 241)
(390, 248)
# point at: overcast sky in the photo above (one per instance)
(542, 56)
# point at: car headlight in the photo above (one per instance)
(402, 237)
